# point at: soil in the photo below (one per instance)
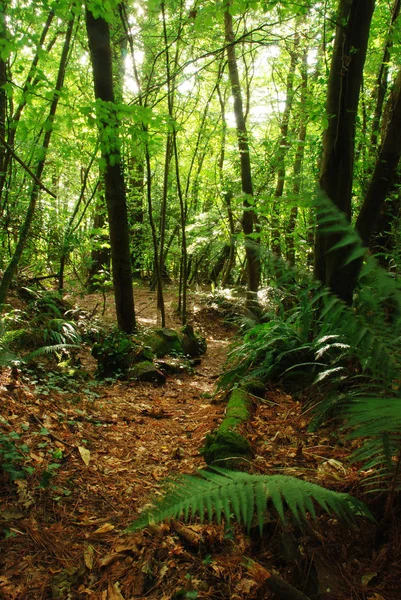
(116, 443)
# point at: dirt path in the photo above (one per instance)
(117, 446)
(110, 447)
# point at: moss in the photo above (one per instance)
(226, 442)
(146, 371)
(164, 341)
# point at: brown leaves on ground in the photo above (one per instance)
(115, 449)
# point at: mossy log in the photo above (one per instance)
(226, 442)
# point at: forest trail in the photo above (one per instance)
(118, 444)
(107, 449)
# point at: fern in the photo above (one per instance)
(377, 422)
(222, 493)
(43, 350)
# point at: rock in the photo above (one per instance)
(146, 371)
(172, 366)
(164, 341)
(193, 344)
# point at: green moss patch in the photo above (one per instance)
(226, 442)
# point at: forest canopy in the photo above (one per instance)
(197, 142)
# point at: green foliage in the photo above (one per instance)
(13, 456)
(376, 421)
(222, 493)
(113, 354)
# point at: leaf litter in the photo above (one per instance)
(108, 455)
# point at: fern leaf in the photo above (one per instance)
(224, 492)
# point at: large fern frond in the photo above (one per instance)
(223, 493)
(48, 350)
(377, 422)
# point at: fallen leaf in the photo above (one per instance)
(113, 592)
(109, 559)
(366, 579)
(85, 454)
(104, 529)
(245, 586)
(89, 557)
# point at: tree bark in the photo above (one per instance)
(100, 50)
(386, 165)
(249, 219)
(336, 175)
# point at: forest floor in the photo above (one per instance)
(110, 447)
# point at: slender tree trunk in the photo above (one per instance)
(227, 195)
(299, 156)
(276, 233)
(30, 83)
(386, 165)
(382, 77)
(159, 282)
(336, 176)
(3, 93)
(100, 50)
(26, 226)
(249, 219)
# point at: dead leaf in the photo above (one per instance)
(366, 579)
(85, 454)
(89, 557)
(113, 592)
(109, 559)
(245, 586)
(104, 529)
(257, 572)
(376, 596)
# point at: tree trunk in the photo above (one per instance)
(382, 77)
(386, 165)
(299, 156)
(383, 176)
(100, 50)
(3, 93)
(249, 219)
(276, 234)
(30, 83)
(336, 176)
(26, 225)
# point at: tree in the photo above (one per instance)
(26, 225)
(249, 220)
(336, 175)
(100, 50)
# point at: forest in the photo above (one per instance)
(200, 303)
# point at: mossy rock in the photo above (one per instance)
(147, 372)
(164, 341)
(116, 353)
(193, 344)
